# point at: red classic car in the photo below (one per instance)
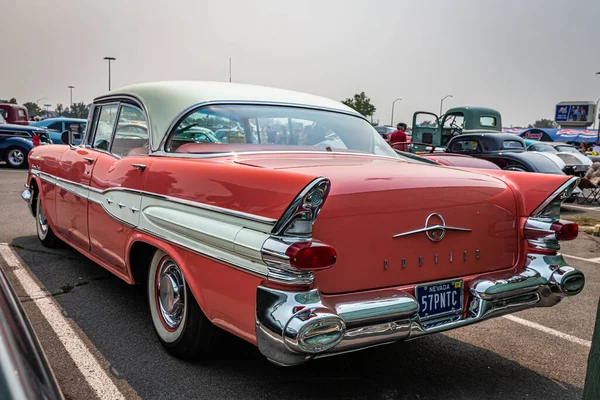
(305, 234)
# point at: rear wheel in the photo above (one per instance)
(181, 326)
(44, 232)
(16, 157)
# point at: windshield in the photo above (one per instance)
(567, 149)
(543, 147)
(226, 128)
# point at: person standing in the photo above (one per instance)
(399, 136)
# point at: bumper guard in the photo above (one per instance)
(294, 327)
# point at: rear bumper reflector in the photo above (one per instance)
(293, 327)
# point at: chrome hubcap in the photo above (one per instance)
(171, 293)
(42, 221)
(16, 157)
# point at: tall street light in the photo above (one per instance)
(38, 100)
(442, 102)
(109, 60)
(393, 104)
(597, 114)
(71, 89)
(596, 111)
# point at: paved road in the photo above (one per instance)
(498, 359)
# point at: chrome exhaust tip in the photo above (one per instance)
(568, 280)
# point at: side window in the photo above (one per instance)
(465, 146)
(131, 135)
(104, 126)
(487, 121)
(55, 126)
(21, 113)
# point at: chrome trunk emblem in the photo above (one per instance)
(434, 232)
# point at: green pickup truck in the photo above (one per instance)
(437, 131)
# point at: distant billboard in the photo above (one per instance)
(576, 114)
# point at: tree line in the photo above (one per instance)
(77, 110)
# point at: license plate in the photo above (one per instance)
(439, 298)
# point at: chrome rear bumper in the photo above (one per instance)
(294, 327)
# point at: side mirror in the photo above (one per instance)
(67, 138)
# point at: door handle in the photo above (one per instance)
(141, 167)
(89, 159)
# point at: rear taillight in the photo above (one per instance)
(36, 140)
(544, 229)
(298, 219)
(565, 230)
(311, 256)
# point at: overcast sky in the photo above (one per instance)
(518, 56)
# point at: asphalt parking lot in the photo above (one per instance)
(536, 354)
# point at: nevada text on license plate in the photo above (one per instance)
(440, 298)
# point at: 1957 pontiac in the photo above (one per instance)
(304, 233)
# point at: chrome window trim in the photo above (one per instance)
(126, 98)
(114, 134)
(161, 153)
(193, 108)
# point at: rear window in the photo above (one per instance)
(21, 113)
(512, 144)
(277, 128)
(488, 121)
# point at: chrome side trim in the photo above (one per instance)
(250, 217)
(231, 238)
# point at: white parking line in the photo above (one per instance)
(592, 260)
(581, 208)
(93, 373)
(550, 331)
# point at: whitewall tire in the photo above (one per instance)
(44, 232)
(181, 326)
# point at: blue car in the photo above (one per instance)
(17, 140)
(56, 126)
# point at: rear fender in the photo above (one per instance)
(24, 143)
(530, 189)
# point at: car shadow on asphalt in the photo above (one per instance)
(115, 317)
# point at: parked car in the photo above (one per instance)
(14, 114)
(286, 245)
(507, 151)
(16, 141)
(429, 128)
(575, 162)
(24, 369)
(56, 127)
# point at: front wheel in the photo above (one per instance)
(44, 232)
(181, 326)
(16, 157)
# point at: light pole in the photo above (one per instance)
(71, 89)
(393, 104)
(442, 102)
(595, 111)
(109, 60)
(38, 100)
(229, 69)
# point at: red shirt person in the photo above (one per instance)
(399, 136)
